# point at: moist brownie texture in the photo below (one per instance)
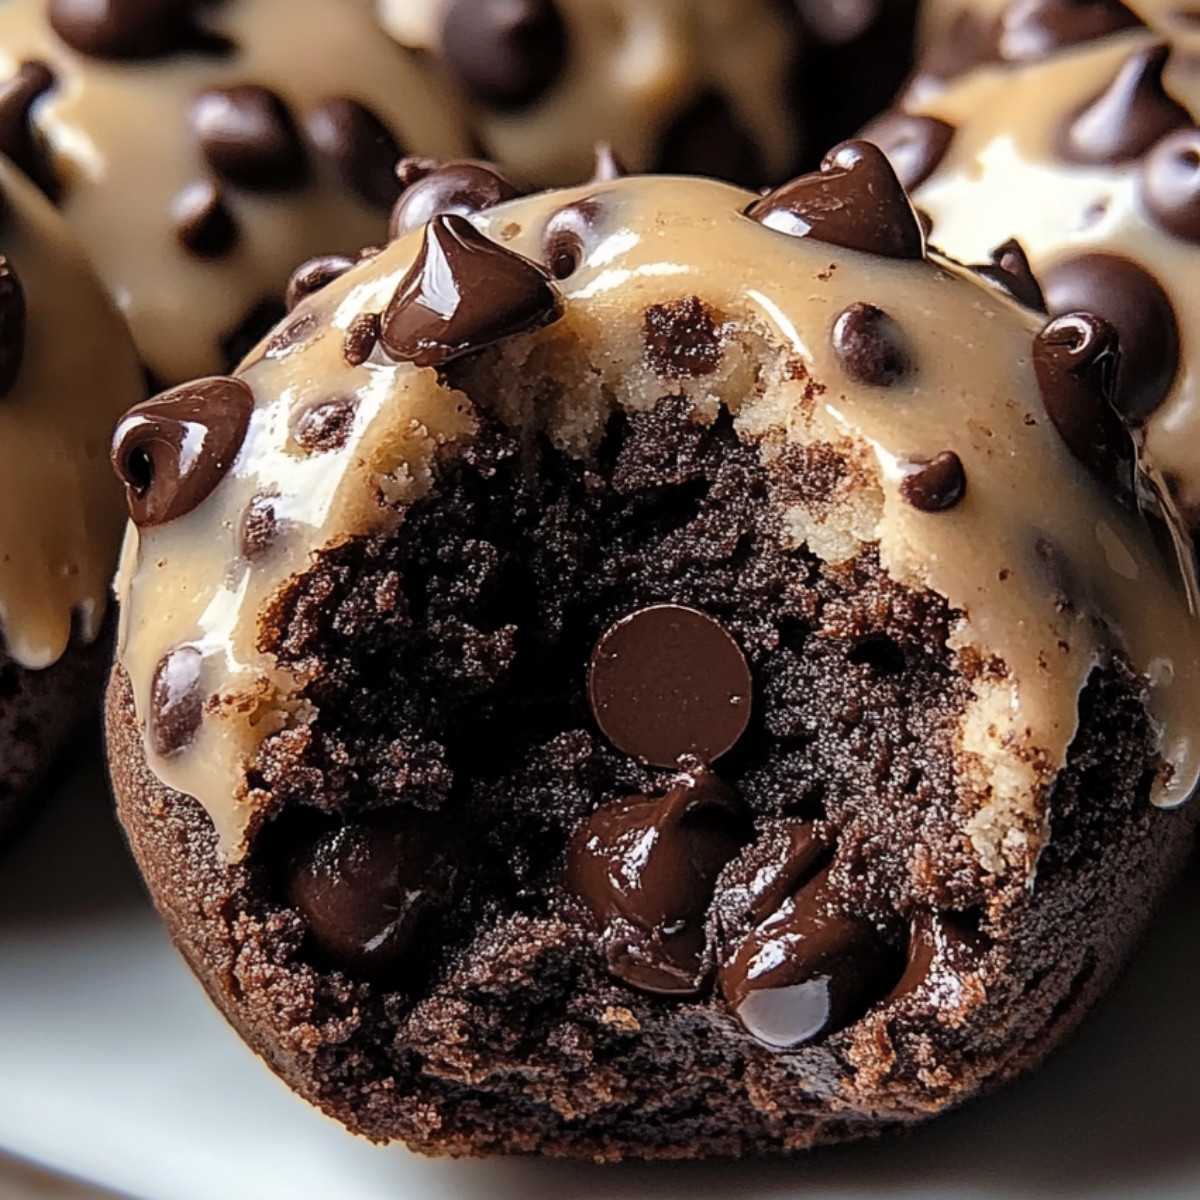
(576, 698)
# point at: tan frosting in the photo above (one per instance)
(643, 62)
(61, 513)
(122, 145)
(659, 240)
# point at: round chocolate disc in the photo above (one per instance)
(669, 681)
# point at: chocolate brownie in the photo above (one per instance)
(652, 670)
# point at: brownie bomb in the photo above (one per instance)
(576, 697)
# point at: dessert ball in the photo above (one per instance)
(200, 151)
(1071, 127)
(67, 372)
(735, 89)
(574, 696)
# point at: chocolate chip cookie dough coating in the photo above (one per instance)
(579, 698)
(200, 151)
(1072, 127)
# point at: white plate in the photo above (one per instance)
(115, 1068)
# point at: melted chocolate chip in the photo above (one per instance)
(1126, 119)
(1130, 299)
(669, 681)
(1033, 29)
(431, 188)
(567, 235)
(854, 201)
(870, 346)
(297, 332)
(326, 425)
(129, 29)
(360, 148)
(259, 527)
(12, 326)
(783, 858)
(1170, 184)
(248, 137)
(938, 945)
(681, 339)
(361, 335)
(463, 292)
(19, 140)
(914, 145)
(173, 450)
(1010, 271)
(646, 868)
(608, 166)
(934, 485)
(204, 224)
(707, 138)
(312, 276)
(176, 700)
(505, 53)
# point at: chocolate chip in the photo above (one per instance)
(505, 53)
(855, 201)
(173, 450)
(1169, 183)
(312, 276)
(361, 335)
(870, 346)
(19, 140)
(12, 326)
(176, 700)
(248, 137)
(1010, 271)
(1036, 28)
(259, 527)
(567, 236)
(914, 145)
(1130, 299)
(262, 316)
(936, 484)
(669, 681)
(325, 426)
(1128, 117)
(782, 859)
(681, 339)
(608, 166)
(360, 148)
(708, 138)
(128, 29)
(299, 330)
(367, 888)
(941, 948)
(463, 292)
(646, 868)
(432, 187)
(204, 223)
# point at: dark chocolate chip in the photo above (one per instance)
(204, 223)
(681, 339)
(708, 138)
(19, 140)
(1033, 29)
(176, 700)
(462, 293)
(1010, 271)
(870, 346)
(505, 53)
(1170, 184)
(360, 148)
(361, 335)
(855, 200)
(432, 187)
(172, 451)
(914, 145)
(939, 946)
(310, 277)
(259, 527)
(250, 330)
(298, 331)
(1130, 299)
(780, 861)
(646, 869)
(669, 681)
(608, 166)
(1128, 117)
(326, 425)
(12, 326)
(248, 137)
(129, 29)
(936, 484)
(568, 234)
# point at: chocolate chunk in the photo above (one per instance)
(1130, 299)
(870, 345)
(12, 326)
(681, 339)
(914, 145)
(204, 224)
(807, 971)
(646, 869)
(325, 426)
(312, 276)
(941, 949)
(934, 485)
(1075, 360)
(505, 53)
(19, 140)
(248, 137)
(708, 138)
(608, 166)
(297, 332)
(463, 292)
(1169, 183)
(431, 188)
(176, 700)
(361, 335)
(129, 29)
(367, 888)
(669, 681)
(855, 201)
(1010, 271)
(172, 451)
(360, 148)
(259, 527)
(1126, 119)
(1032, 29)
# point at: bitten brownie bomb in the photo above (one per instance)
(576, 696)
(736, 89)
(200, 151)
(1071, 126)
(67, 371)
